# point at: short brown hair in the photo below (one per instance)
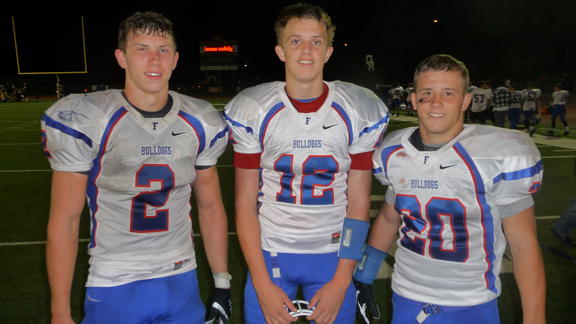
(304, 11)
(442, 63)
(145, 23)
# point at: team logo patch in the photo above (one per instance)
(442, 167)
(347, 237)
(335, 238)
(179, 264)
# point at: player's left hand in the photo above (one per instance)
(220, 307)
(328, 301)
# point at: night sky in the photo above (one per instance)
(519, 40)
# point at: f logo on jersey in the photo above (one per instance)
(154, 124)
(307, 120)
(426, 158)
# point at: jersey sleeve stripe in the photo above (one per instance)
(198, 128)
(385, 155)
(237, 124)
(367, 130)
(67, 130)
(486, 217)
(520, 174)
(346, 120)
(219, 135)
(92, 189)
(277, 108)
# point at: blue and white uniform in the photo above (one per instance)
(452, 202)
(396, 95)
(140, 172)
(304, 163)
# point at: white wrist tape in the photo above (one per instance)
(222, 280)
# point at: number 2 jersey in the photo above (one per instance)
(140, 176)
(451, 239)
(305, 159)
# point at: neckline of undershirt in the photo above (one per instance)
(153, 114)
(312, 105)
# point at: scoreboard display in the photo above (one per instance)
(219, 55)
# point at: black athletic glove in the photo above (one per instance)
(366, 301)
(220, 307)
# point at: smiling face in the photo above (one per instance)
(439, 99)
(304, 49)
(149, 60)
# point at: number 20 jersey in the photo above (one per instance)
(140, 176)
(451, 239)
(305, 159)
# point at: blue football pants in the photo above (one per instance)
(311, 271)
(173, 299)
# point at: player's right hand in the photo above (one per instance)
(366, 302)
(273, 302)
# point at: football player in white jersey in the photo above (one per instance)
(515, 106)
(409, 107)
(480, 98)
(134, 155)
(396, 94)
(560, 100)
(456, 194)
(530, 107)
(303, 177)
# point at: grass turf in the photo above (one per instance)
(25, 190)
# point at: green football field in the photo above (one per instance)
(25, 195)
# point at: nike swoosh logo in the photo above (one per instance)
(326, 127)
(442, 167)
(176, 134)
(94, 300)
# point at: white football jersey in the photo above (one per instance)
(397, 93)
(451, 240)
(408, 93)
(516, 101)
(560, 97)
(305, 159)
(140, 176)
(530, 96)
(479, 99)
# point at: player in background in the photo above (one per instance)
(134, 155)
(515, 106)
(480, 98)
(456, 194)
(396, 94)
(500, 101)
(560, 99)
(409, 107)
(303, 177)
(530, 107)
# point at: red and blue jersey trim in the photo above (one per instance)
(385, 156)
(346, 120)
(67, 130)
(520, 174)
(487, 219)
(92, 189)
(275, 109)
(368, 129)
(198, 128)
